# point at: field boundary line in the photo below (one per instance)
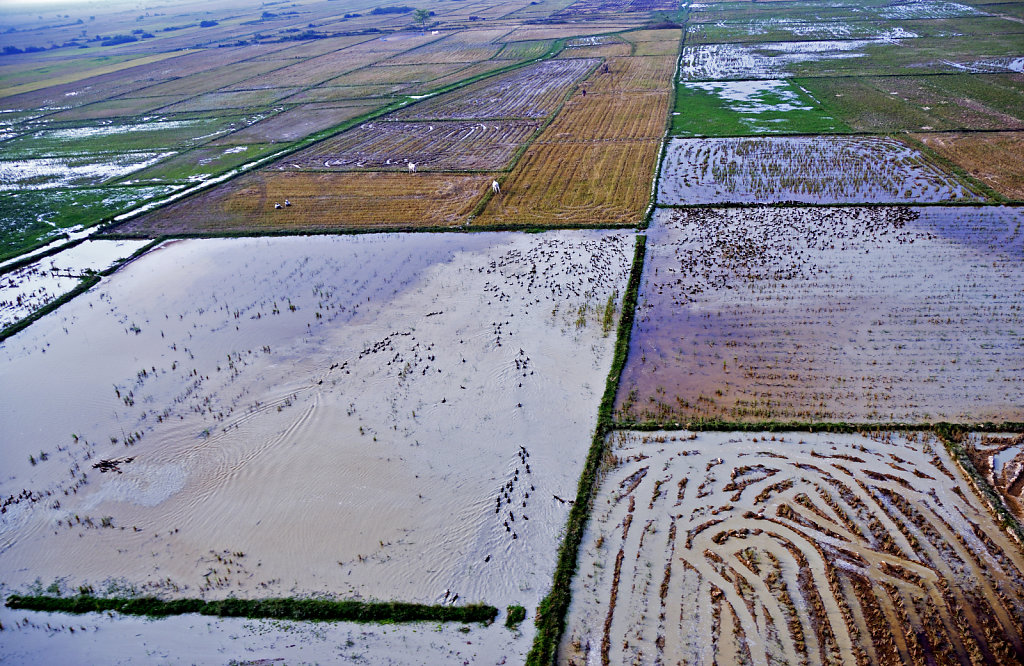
(719, 425)
(652, 202)
(84, 284)
(513, 162)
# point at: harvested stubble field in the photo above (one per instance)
(994, 158)
(464, 46)
(818, 314)
(381, 74)
(639, 74)
(612, 116)
(563, 31)
(818, 169)
(431, 146)
(298, 122)
(792, 548)
(575, 183)
(319, 202)
(235, 99)
(589, 10)
(594, 162)
(529, 92)
(999, 459)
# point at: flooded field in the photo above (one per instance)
(862, 314)
(821, 169)
(769, 60)
(388, 416)
(35, 637)
(769, 106)
(792, 548)
(24, 290)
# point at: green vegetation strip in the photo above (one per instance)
(281, 609)
(553, 608)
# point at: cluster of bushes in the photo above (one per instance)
(283, 609)
(397, 9)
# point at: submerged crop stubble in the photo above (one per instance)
(860, 314)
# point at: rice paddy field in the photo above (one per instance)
(524, 332)
(829, 314)
(817, 170)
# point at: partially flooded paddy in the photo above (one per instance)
(816, 170)
(388, 416)
(792, 548)
(25, 290)
(859, 314)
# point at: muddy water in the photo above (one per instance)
(37, 638)
(728, 547)
(830, 314)
(359, 415)
(25, 290)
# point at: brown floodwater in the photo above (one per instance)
(858, 314)
(358, 415)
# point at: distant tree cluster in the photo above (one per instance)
(397, 9)
(118, 39)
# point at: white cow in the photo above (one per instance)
(495, 187)
(412, 168)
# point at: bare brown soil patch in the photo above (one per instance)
(995, 158)
(999, 458)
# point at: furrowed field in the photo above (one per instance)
(793, 548)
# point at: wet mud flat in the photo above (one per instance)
(855, 314)
(999, 459)
(792, 548)
(816, 170)
(387, 417)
